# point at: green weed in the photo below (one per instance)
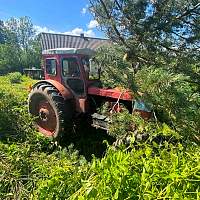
(33, 167)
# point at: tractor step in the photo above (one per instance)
(100, 121)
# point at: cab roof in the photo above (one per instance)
(54, 41)
(84, 51)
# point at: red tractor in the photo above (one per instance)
(72, 89)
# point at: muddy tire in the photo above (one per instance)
(53, 115)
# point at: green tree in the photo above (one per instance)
(9, 58)
(159, 40)
(154, 32)
(9, 51)
(23, 28)
(2, 33)
(22, 33)
(19, 45)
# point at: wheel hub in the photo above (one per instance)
(47, 121)
(43, 114)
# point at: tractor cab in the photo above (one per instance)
(71, 67)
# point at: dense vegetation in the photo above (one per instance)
(32, 167)
(155, 52)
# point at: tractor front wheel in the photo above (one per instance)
(52, 114)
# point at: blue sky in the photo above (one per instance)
(62, 16)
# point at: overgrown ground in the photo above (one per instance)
(32, 167)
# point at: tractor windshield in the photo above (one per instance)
(70, 67)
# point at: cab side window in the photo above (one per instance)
(51, 66)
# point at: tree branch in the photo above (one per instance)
(113, 25)
(179, 35)
(118, 5)
(191, 24)
(187, 12)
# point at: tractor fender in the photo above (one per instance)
(65, 92)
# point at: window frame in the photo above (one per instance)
(55, 66)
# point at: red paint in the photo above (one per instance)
(66, 93)
(112, 93)
(47, 123)
(81, 105)
(57, 77)
(144, 114)
(79, 101)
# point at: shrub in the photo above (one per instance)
(33, 167)
(171, 173)
(14, 117)
(15, 77)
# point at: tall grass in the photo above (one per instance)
(32, 167)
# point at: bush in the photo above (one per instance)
(29, 173)
(15, 77)
(176, 100)
(171, 173)
(14, 118)
(33, 167)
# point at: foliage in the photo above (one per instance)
(24, 165)
(155, 52)
(2, 33)
(33, 167)
(143, 174)
(175, 99)
(115, 71)
(65, 175)
(15, 77)
(154, 33)
(14, 118)
(20, 47)
(9, 59)
(23, 29)
(28, 173)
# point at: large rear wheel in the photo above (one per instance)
(52, 113)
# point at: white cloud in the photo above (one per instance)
(90, 33)
(84, 10)
(93, 24)
(76, 31)
(40, 29)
